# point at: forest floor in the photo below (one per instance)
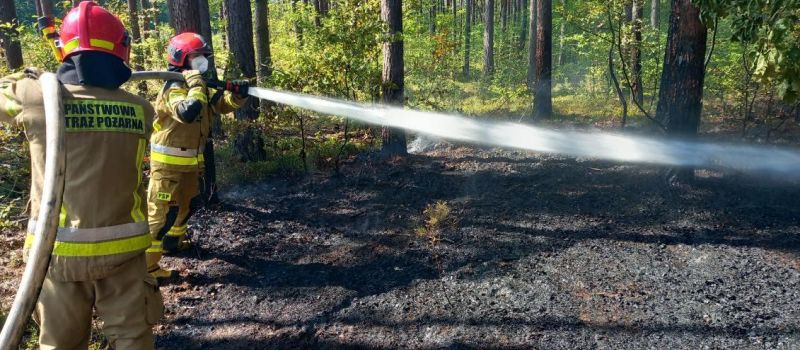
(537, 252)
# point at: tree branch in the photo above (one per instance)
(625, 72)
(713, 43)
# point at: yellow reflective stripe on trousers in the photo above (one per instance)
(136, 212)
(174, 160)
(120, 246)
(155, 247)
(177, 231)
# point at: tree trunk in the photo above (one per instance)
(209, 192)
(240, 38)
(223, 13)
(249, 145)
(637, 90)
(136, 37)
(205, 30)
(543, 101)
(503, 15)
(47, 7)
(514, 10)
(394, 140)
(628, 10)
(476, 11)
(523, 28)
(455, 21)
(467, 35)
(680, 99)
(655, 13)
(325, 6)
(156, 11)
(488, 39)
(298, 30)
(612, 70)
(38, 6)
(147, 25)
(681, 92)
(532, 29)
(560, 60)
(432, 24)
(184, 15)
(264, 68)
(317, 13)
(8, 34)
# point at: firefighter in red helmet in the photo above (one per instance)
(184, 111)
(98, 261)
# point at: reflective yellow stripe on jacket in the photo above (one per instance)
(136, 213)
(173, 155)
(118, 239)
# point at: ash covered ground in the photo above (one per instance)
(540, 252)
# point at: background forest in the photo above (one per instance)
(726, 70)
(605, 68)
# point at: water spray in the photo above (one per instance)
(597, 145)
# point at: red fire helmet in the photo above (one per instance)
(185, 44)
(90, 27)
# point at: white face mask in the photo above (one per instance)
(200, 63)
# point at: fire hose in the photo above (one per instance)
(597, 145)
(47, 222)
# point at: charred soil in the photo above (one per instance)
(542, 252)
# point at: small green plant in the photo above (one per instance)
(436, 220)
(8, 211)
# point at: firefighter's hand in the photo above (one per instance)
(194, 79)
(241, 87)
(170, 244)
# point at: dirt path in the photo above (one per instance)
(547, 253)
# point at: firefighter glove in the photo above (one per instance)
(240, 87)
(194, 79)
(170, 244)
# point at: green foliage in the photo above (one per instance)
(340, 58)
(14, 176)
(771, 29)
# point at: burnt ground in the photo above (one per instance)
(545, 253)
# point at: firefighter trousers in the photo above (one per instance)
(127, 300)
(169, 196)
